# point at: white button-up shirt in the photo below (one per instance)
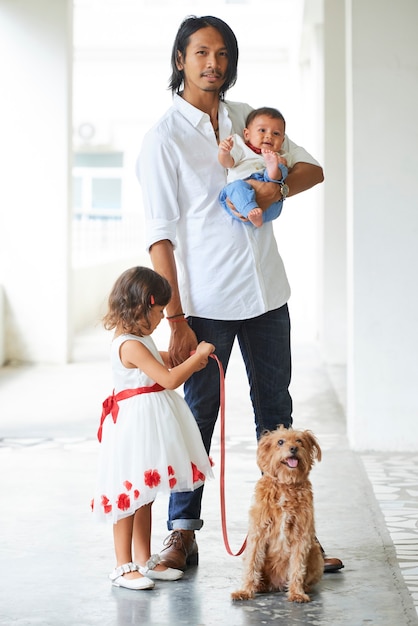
(227, 270)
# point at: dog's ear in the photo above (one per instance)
(264, 449)
(264, 442)
(313, 444)
(265, 432)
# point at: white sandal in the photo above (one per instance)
(167, 574)
(118, 579)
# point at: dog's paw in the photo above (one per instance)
(298, 597)
(241, 594)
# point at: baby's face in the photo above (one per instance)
(265, 133)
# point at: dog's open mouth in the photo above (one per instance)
(291, 461)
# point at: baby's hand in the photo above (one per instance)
(227, 144)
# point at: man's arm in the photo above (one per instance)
(183, 340)
(303, 176)
(164, 263)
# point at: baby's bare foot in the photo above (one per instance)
(272, 160)
(256, 217)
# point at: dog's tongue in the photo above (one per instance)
(292, 462)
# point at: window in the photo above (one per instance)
(97, 185)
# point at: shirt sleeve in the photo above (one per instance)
(237, 152)
(157, 162)
(297, 154)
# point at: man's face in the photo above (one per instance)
(205, 61)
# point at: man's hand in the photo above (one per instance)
(182, 342)
(266, 193)
(303, 176)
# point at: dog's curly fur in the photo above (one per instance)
(282, 552)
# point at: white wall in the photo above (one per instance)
(91, 288)
(35, 131)
(333, 247)
(2, 328)
(383, 224)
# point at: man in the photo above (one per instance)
(228, 279)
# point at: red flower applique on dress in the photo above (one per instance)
(152, 478)
(171, 481)
(128, 487)
(105, 504)
(124, 502)
(197, 474)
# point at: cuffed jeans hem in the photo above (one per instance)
(185, 524)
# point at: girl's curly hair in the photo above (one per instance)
(131, 299)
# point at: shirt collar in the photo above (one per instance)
(253, 148)
(196, 116)
(190, 112)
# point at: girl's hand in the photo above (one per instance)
(203, 351)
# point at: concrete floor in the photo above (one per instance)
(54, 560)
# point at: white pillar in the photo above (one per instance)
(383, 224)
(333, 301)
(35, 158)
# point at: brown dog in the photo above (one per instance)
(282, 551)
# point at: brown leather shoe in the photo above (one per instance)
(181, 550)
(332, 565)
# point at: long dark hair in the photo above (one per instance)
(131, 299)
(187, 28)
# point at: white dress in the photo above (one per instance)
(153, 446)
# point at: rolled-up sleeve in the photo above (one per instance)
(297, 153)
(156, 172)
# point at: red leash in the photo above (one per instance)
(222, 474)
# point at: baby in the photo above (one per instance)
(255, 156)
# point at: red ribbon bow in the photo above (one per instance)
(111, 406)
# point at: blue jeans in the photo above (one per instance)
(264, 342)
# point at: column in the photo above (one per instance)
(35, 160)
(382, 61)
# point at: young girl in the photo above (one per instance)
(150, 441)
